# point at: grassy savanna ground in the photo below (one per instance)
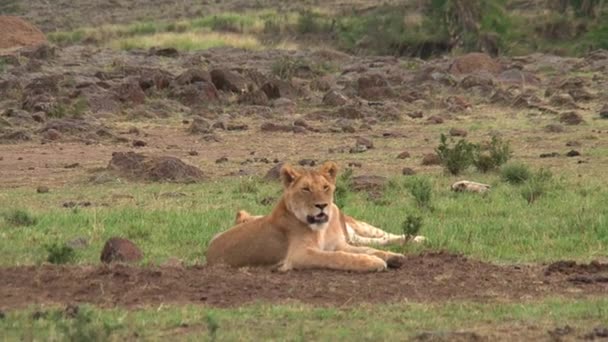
(508, 321)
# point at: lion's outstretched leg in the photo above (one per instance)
(393, 260)
(339, 260)
(364, 234)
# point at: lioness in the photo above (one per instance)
(357, 232)
(304, 230)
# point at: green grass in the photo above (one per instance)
(568, 221)
(399, 321)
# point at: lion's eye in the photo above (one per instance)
(326, 188)
(306, 189)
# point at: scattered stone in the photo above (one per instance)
(237, 127)
(172, 194)
(573, 153)
(368, 143)
(554, 128)
(272, 127)
(408, 171)
(307, 162)
(451, 336)
(549, 155)
(434, 120)
(597, 333)
(199, 125)
(560, 332)
(51, 134)
(404, 155)
(221, 160)
(415, 115)
(228, 80)
(573, 143)
(604, 112)
(570, 118)
(120, 250)
(458, 132)
(274, 173)
(334, 99)
(71, 166)
(474, 62)
(370, 183)
(255, 98)
(355, 164)
(139, 143)
(431, 159)
(564, 100)
(192, 153)
(357, 149)
(165, 52)
(43, 189)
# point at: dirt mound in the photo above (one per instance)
(432, 277)
(139, 167)
(17, 32)
(593, 272)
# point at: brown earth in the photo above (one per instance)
(17, 32)
(429, 277)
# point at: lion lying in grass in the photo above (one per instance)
(304, 230)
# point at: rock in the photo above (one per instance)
(431, 159)
(192, 153)
(307, 162)
(573, 143)
(221, 160)
(434, 120)
(191, 76)
(334, 99)
(554, 128)
(403, 155)
(274, 173)
(139, 167)
(415, 115)
(323, 83)
(484, 81)
(408, 171)
(474, 62)
(458, 132)
(199, 125)
(196, 94)
(120, 250)
(370, 183)
(51, 134)
(549, 155)
(130, 92)
(570, 118)
(276, 88)
(564, 100)
(604, 112)
(255, 98)
(573, 153)
(228, 80)
(42, 189)
(272, 127)
(164, 52)
(362, 141)
(139, 143)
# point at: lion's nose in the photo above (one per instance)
(321, 205)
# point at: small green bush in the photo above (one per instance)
(497, 154)
(412, 225)
(515, 173)
(20, 218)
(59, 254)
(457, 157)
(421, 188)
(536, 186)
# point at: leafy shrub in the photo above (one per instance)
(20, 218)
(412, 224)
(74, 109)
(421, 188)
(456, 158)
(311, 22)
(59, 254)
(515, 173)
(536, 186)
(497, 154)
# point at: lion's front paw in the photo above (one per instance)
(396, 261)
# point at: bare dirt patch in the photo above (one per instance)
(17, 32)
(429, 277)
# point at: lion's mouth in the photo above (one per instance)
(320, 218)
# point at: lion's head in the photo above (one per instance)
(309, 194)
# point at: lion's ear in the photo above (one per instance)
(288, 174)
(329, 170)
